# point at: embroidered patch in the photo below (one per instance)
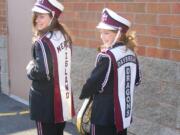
(127, 91)
(126, 59)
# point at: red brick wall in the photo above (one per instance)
(157, 23)
(3, 23)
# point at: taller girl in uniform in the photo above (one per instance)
(112, 81)
(51, 99)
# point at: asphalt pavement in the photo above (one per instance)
(14, 119)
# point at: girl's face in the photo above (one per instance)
(107, 37)
(42, 21)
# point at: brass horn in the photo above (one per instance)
(83, 122)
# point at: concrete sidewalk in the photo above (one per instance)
(14, 119)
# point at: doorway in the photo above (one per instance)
(19, 46)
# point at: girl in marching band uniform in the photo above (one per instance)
(51, 103)
(112, 81)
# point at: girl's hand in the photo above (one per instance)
(30, 66)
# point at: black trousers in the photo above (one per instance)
(105, 130)
(50, 128)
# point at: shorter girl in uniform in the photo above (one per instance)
(114, 77)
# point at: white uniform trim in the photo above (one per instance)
(63, 53)
(61, 57)
(108, 71)
(126, 62)
(45, 59)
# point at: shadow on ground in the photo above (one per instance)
(14, 119)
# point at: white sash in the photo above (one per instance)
(61, 56)
(124, 63)
(126, 69)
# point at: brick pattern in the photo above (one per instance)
(3, 18)
(157, 23)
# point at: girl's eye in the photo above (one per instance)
(105, 33)
(41, 16)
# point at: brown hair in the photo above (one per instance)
(55, 25)
(129, 39)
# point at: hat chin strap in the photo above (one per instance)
(53, 14)
(117, 36)
(115, 39)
